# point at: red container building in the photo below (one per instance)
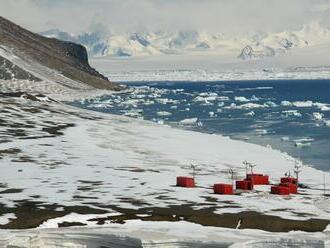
(258, 179)
(245, 185)
(187, 182)
(289, 180)
(280, 190)
(293, 188)
(224, 189)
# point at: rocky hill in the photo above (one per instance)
(29, 56)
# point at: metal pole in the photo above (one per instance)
(193, 168)
(324, 185)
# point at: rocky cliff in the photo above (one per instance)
(21, 49)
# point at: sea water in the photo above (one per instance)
(290, 115)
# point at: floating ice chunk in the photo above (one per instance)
(167, 101)
(190, 121)
(271, 104)
(205, 99)
(327, 123)
(199, 99)
(264, 88)
(322, 106)
(318, 116)
(261, 131)
(285, 138)
(302, 144)
(140, 96)
(211, 114)
(99, 105)
(221, 104)
(133, 113)
(251, 113)
(223, 98)
(206, 94)
(286, 103)
(303, 104)
(132, 102)
(178, 90)
(288, 113)
(174, 107)
(148, 102)
(304, 140)
(164, 113)
(325, 108)
(254, 98)
(246, 106)
(241, 99)
(251, 106)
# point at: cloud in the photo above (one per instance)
(225, 16)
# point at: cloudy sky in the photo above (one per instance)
(227, 16)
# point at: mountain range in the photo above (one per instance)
(253, 46)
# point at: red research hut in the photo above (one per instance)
(223, 189)
(288, 185)
(244, 185)
(258, 179)
(280, 190)
(187, 182)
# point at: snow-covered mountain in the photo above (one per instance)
(254, 46)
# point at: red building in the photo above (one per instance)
(187, 182)
(289, 180)
(224, 189)
(280, 190)
(293, 188)
(258, 179)
(245, 185)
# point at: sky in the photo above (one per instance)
(220, 16)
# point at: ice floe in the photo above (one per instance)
(318, 116)
(189, 121)
(164, 113)
(289, 113)
(241, 99)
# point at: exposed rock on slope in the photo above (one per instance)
(9, 71)
(24, 53)
(249, 53)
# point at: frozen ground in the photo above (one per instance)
(162, 234)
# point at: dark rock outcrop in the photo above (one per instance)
(67, 58)
(9, 71)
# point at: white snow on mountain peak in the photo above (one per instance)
(254, 46)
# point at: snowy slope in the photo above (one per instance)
(70, 157)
